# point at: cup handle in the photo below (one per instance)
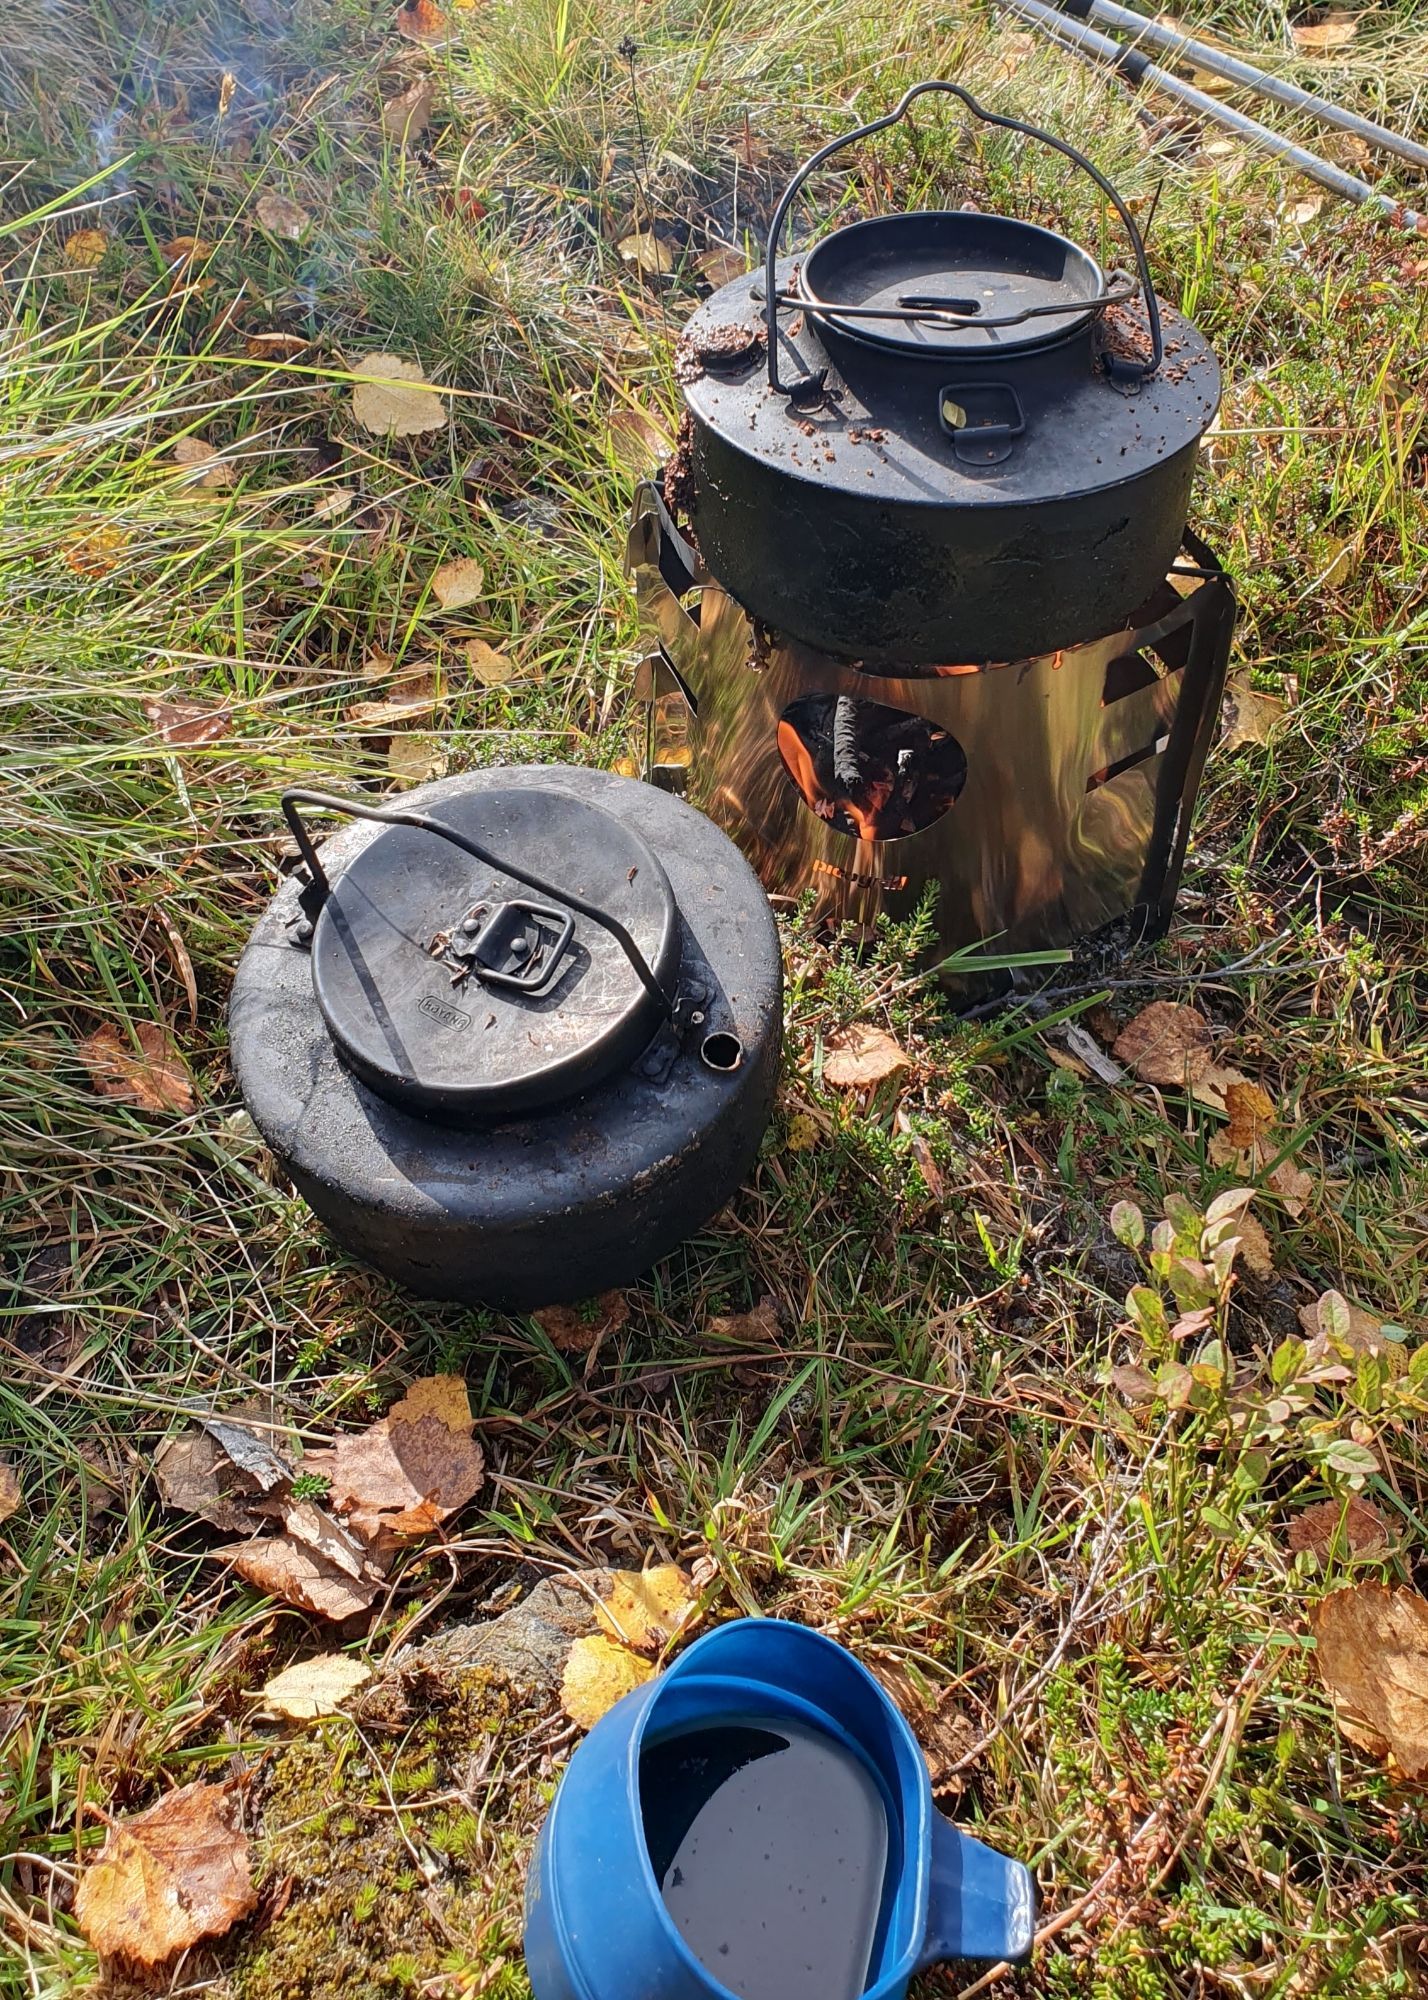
(981, 1904)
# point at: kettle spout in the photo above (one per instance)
(982, 1905)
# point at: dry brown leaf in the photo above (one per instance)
(1249, 716)
(568, 1328)
(1306, 210)
(1294, 1187)
(459, 583)
(646, 1609)
(1252, 1114)
(1335, 31)
(859, 1057)
(402, 1478)
(1255, 1248)
(598, 1673)
(152, 1076)
(309, 1524)
(406, 116)
(640, 440)
(409, 701)
(751, 1329)
(488, 664)
(647, 252)
(721, 265)
(282, 217)
(1166, 1044)
(274, 346)
(282, 1567)
(1372, 1646)
(1335, 1326)
(422, 21)
(333, 504)
(167, 1878)
(196, 1475)
(189, 722)
(399, 403)
(415, 759)
(245, 1432)
(1355, 1529)
(10, 1495)
(443, 1396)
(86, 249)
(181, 250)
(314, 1687)
(204, 464)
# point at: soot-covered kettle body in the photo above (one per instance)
(515, 1035)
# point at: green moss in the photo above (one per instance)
(384, 1901)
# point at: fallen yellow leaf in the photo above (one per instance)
(399, 403)
(459, 583)
(406, 116)
(167, 1878)
(488, 664)
(274, 346)
(202, 462)
(1166, 1044)
(721, 265)
(598, 1673)
(648, 253)
(314, 1687)
(1249, 715)
(86, 249)
(282, 217)
(859, 1057)
(1335, 31)
(645, 1609)
(415, 759)
(334, 504)
(443, 1396)
(186, 250)
(1252, 1113)
(10, 1494)
(1372, 1649)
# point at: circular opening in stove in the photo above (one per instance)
(721, 1051)
(867, 769)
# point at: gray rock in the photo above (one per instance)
(527, 1645)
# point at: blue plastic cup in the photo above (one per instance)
(596, 1924)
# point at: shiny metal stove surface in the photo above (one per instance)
(1045, 798)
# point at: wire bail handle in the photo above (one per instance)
(319, 888)
(1121, 367)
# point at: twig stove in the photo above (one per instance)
(921, 601)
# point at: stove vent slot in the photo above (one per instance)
(1128, 762)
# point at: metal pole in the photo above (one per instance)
(1177, 43)
(1139, 69)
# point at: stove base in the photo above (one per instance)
(1044, 798)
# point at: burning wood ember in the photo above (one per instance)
(867, 769)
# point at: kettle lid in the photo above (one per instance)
(454, 990)
(953, 282)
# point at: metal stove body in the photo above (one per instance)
(920, 602)
(1054, 793)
